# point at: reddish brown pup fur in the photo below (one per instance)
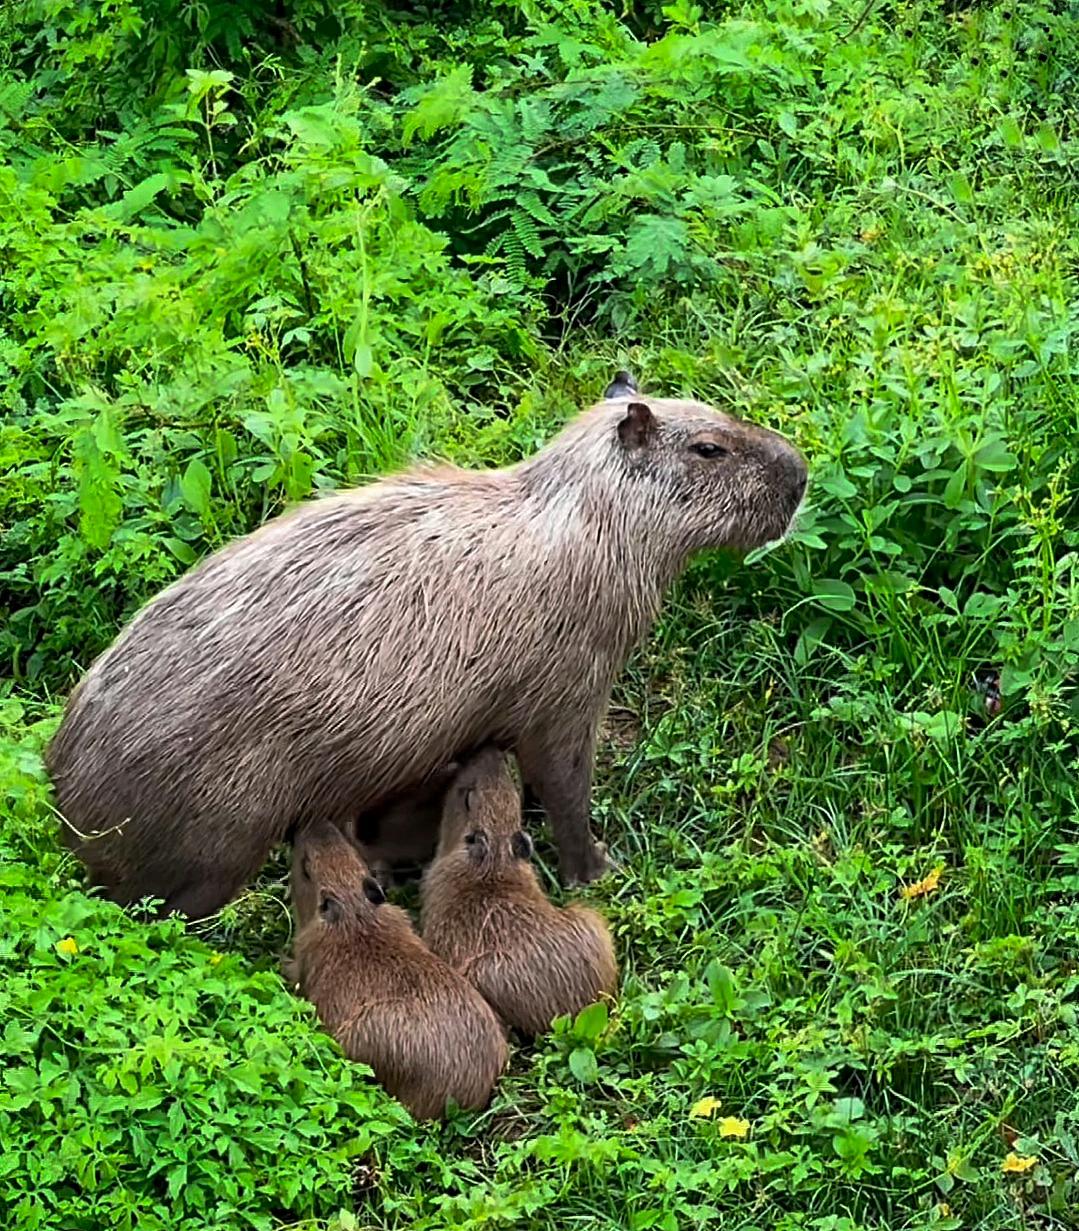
(345, 652)
(426, 1033)
(485, 913)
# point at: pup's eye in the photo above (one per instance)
(707, 448)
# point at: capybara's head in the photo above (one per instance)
(330, 881)
(702, 477)
(482, 812)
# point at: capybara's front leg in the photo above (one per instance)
(558, 767)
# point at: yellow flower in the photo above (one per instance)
(731, 1126)
(216, 958)
(1015, 1165)
(706, 1107)
(67, 946)
(920, 888)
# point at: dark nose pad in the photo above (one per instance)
(789, 467)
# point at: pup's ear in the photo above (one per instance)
(372, 891)
(623, 386)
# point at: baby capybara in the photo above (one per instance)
(338, 657)
(485, 913)
(392, 1004)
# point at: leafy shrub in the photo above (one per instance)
(151, 1082)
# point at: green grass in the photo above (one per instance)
(242, 260)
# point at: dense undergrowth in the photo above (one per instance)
(251, 251)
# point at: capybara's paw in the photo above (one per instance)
(595, 863)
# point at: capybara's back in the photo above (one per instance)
(427, 1035)
(485, 913)
(345, 652)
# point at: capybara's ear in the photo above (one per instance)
(372, 891)
(623, 386)
(330, 908)
(521, 845)
(638, 427)
(476, 844)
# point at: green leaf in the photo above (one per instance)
(195, 486)
(956, 487)
(995, 456)
(1010, 132)
(136, 199)
(812, 635)
(441, 105)
(847, 1109)
(834, 595)
(961, 189)
(100, 503)
(583, 1066)
(836, 484)
(1047, 138)
(591, 1022)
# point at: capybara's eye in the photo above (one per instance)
(372, 891)
(329, 908)
(472, 838)
(708, 448)
(521, 845)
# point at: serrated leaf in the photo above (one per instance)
(100, 504)
(441, 105)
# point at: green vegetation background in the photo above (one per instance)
(249, 251)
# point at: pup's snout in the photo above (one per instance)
(789, 469)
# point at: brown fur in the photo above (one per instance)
(426, 1033)
(485, 913)
(337, 657)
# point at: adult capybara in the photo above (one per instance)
(484, 912)
(427, 1034)
(346, 651)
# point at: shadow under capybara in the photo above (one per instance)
(402, 835)
(484, 912)
(427, 1034)
(346, 651)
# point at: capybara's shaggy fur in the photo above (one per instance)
(485, 913)
(426, 1033)
(346, 651)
